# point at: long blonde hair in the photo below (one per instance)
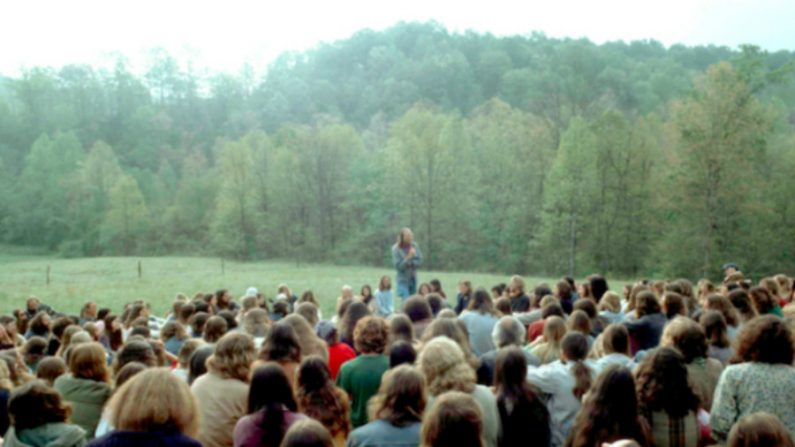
(155, 400)
(445, 368)
(548, 350)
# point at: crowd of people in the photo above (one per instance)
(653, 363)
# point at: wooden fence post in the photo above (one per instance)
(223, 268)
(48, 274)
(140, 271)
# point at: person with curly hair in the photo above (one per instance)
(223, 391)
(666, 400)
(396, 411)
(321, 400)
(445, 368)
(758, 430)
(610, 412)
(761, 377)
(361, 377)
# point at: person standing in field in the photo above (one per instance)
(406, 257)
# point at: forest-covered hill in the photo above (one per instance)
(513, 154)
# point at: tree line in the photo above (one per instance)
(521, 154)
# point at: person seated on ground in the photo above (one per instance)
(564, 292)
(338, 352)
(666, 399)
(214, 329)
(596, 323)
(503, 306)
(50, 368)
(647, 328)
(610, 412)
(436, 287)
(520, 302)
(224, 301)
(152, 408)
(760, 430)
(271, 409)
(320, 399)
(445, 368)
(223, 391)
(741, 300)
(717, 333)
(309, 312)
(396, 411)
(183, 358)
(39, 326)
(383, 305)
(480, 319)
(346, 294)
(464, 295)
(720, 303)
(454, 419)
(578, 321)
(354, 312)
(256, 323)
(281, 308)
(282, 347)
(56, 337)
(401, 329)
(310, 343)
(610, 308)
(523, 414)
(39, 418)
(764, 301)
(173, 335)
(436, 302)
(34, 349)
(614, 343)
(508, 332)
(87, 386)
(198, 363)
(307, 433)
(566, 381)
(361, 377)
(761, 378)
(419, 312)
(401, 353)
(6, 387)
(687, 337)
(547, 348)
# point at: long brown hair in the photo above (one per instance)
(320, 399)
(662, 384)
(715, 329)
(35, 404)
(232, 357)
(455, 419)
(757, 429)
(610, 412)
(401, 398)
(521, 411)
(765, 339)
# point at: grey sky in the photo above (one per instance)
(223, 35)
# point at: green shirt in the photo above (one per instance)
(361, 378)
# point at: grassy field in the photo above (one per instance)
(111, 282)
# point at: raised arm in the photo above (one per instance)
(416, 261)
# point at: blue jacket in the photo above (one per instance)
(381, 433)
(406, 268)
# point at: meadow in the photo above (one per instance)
(113, 281)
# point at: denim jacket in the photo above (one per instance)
(406, 268)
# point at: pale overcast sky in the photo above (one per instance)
(222, 35)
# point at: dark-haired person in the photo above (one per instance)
(406, 258)
(271, 409)
(396, 411)
(480, 319)
(565, 292)
(615, 348)
(419, 312)
(321, 400)
(355, 311)
(463, 296)
(666, 400)
(39, 419)
(523, 415)
(760, 430)
(686, 336)
(647, 329)
(436, 287)
(224, 301)
(454, 419)
(762, 377)
(520, 302)
(361, 377)
(565, 381)
(717, 333)
(610, 412)
(400, 353)
(282, 346)
(153, 408)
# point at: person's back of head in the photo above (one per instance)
(615, 340)
(552, 310)
(50, 368)
(307, 433)
(197, 366)
(134, 351)
(271, 393)
(455, 419)
(400, 353)
(760, 430)
(35, 404)
(155, 400)
(214, 329)
(508, 331)
(309, 312)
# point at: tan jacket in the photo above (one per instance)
(222, 402)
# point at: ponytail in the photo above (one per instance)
(575, 349)
(582, 378)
